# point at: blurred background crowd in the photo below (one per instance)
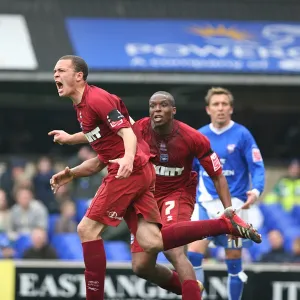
(37, 224)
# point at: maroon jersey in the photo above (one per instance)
(101, 115)
(174, 154)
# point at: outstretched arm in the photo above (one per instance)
(87, 168)
(61, 137)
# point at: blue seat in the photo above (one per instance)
(52, 223)
(68, 246)
(295, 213)
(81, 207)
(21, 244)
(117, 251)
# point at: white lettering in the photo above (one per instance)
(27, 284)
(93, 135)
(217, 287)
(48, 286)
(292, 289)
(65, 281)
(65, 287)
(237, 51)
(166, 171)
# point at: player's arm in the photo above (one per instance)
(126, 162)
(61, 137)
(130, 142)
(255, 166)
(87, 168)
(212, 165)
(110, 112)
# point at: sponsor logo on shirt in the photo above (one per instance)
(256, 155)
(215, 161)
(166, 171)
(115, 118)
(231, 148)
(93, 135)
(164, 157)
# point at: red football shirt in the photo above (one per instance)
(174, 154)
(101, 115)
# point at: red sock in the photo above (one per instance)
(174, 285)
(183, 233)
(95, 268)
(191, 290)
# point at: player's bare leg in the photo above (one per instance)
(94, 257)
(144, 265)
(236, 276)
(190, 287)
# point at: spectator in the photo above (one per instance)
(277, 253)
(287, 189)
(85, 187)
(40, 249)
(66, 221)
(6, 249)
(42, 187)
(14, 172)
(27, 214)
(296, 251)
(4, 212)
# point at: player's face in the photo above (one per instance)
(219, 109)
(66, 78)
(161, 110)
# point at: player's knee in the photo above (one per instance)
(176, 256)
(233, 253)
(140, 269)
(153, 245)
(82, 230)
(88, 232)
(149, 237)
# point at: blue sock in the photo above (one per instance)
(196, 260)
(236, 279)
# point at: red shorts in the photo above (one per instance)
(174, 208)
(115, 196)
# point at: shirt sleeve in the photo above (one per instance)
(254, 161)
(109, 109)
(206, 156)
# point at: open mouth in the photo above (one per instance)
(59, 86)
(158, 118)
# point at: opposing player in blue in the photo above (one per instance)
(240, 157)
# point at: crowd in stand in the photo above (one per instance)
(27, 203)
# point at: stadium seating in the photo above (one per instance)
(22, 243)
(68, 247)
(81, 207)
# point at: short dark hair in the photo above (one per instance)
(167, 95)
(79, 64)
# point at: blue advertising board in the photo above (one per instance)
(194, 45)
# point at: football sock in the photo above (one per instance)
(191, 290)
(183, 233)
(174, 285)
(236, 279)
(196, 260)
(95, 269)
